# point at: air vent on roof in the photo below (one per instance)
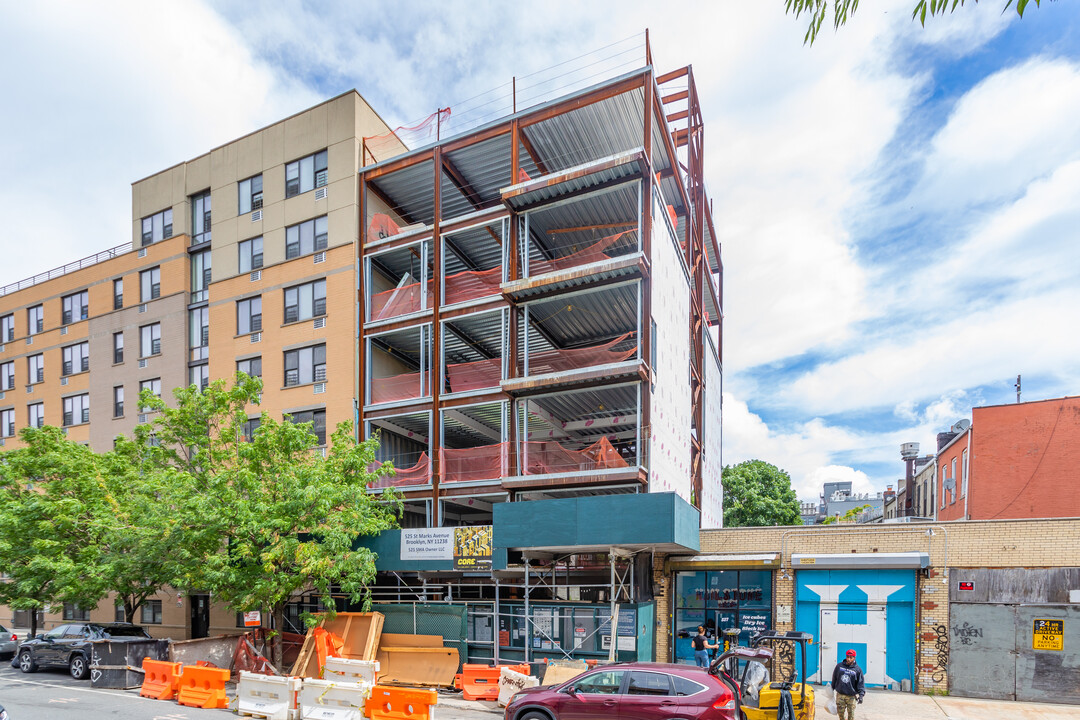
(142, 363)
(320, 323)
(320, 257)
(256, 275)
(320, 193)
(319, 388)
(256, 216)
(256, 337)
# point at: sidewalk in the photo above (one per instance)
(882, 704)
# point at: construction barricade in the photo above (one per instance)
(481, 682)
(203, 687)
(159, 679)
(352, 671)
(393, 703)
(511, 681)
(328, 700)
(265, 696)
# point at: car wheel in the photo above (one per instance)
(26, 662)
(534, 715)
(78, 668)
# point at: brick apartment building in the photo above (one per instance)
(526, 312)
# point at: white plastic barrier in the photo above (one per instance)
(510, 681)
(348, 670)
(329, 700)
(266, 696)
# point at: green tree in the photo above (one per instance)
(818, 10)
(758, 494)
(284, 518)
(53, 501)
(851, 514)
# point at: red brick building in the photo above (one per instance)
(1014, 461)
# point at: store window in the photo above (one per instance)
(720, 599)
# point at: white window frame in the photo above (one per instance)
(148, 335)
(307, 369)
(150, 284)
(200, 211)
(251, 254)
(35, 319)
(314, 293)
(306, 174)
(308, 237)
(253, 307)
(35, 365)
(68, 307)
(7, 375)
(76, 359)
(250, 192)
(79, 404)
(7, 328)
(157, 227)
(7, 423)
(36, 414)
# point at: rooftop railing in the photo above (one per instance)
(65, 269)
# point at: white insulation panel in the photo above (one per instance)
(712, 490)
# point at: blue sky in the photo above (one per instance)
(897, 205)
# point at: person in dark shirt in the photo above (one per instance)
(702, 647)
(847, 683)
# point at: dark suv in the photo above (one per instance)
(69, 646)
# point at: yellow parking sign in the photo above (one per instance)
(1048, 635)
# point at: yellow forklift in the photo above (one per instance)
(771, 684)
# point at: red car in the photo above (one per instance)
(630, 691)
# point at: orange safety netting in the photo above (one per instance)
(403, 138)
(382, 226)
(550, 361)
(401, 300)
(418, 474)
(592, 253)
(397, 387)
(471, 284)
(544, 458)
(487, 462)
(474, 375)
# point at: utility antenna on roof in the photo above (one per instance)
(1017, 388)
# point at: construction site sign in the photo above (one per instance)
(427, 544)
(1048, 635)
(472, 548)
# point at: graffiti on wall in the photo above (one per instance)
(941, 644)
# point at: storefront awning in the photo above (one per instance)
(843, 561)
(718, 561)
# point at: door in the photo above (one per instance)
(48, 652)
(649, 696)
(981, 657)
(861, 629)
(200, 616)
(596, 694)
(1045, 673)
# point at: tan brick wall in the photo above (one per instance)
(971, 544)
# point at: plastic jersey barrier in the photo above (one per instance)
(160, 679)
(266, 697)
(391, 703)
(481, 682)
(203, 687)
(347, 670)
(328, 700)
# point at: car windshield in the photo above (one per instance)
(125, 631)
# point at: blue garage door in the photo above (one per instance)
(869, 611)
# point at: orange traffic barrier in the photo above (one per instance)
(203, 687)
(327, 644)
(159, 679)
(394, 703)
(481, 682)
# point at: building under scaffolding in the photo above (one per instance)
(539, 347)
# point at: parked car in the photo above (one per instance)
(3, 713)
(9, 643)
(69, 646)
(634, 691)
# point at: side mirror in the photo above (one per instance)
(570, 690)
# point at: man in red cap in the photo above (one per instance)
(847, 683)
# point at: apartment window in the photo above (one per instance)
(305, 238)
(150, 284)
(7, 423)
(35, 319)
(943, 473)
(118, 348)
(76, 359)
(247, 430)
(151, 613)
(306, 365)
(199, 375)
(118, 401)
(118, 293)
(251, 367)
(37, 414)
(7, 375)
(76, 410)
(964, 473)
(7, 328)
(305, 174)
(200, 218)
(199, 329)
(306, 301)
(74, 612)
(150, 340)
(154, 386)
(200, 276)
(157, 227)
(118, 609)
(317, 418)
(36, 364)
(251, 256)
(249, 315)
(250, 194)
(75, 307)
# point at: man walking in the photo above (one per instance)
(702, 647)
(847, 683)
